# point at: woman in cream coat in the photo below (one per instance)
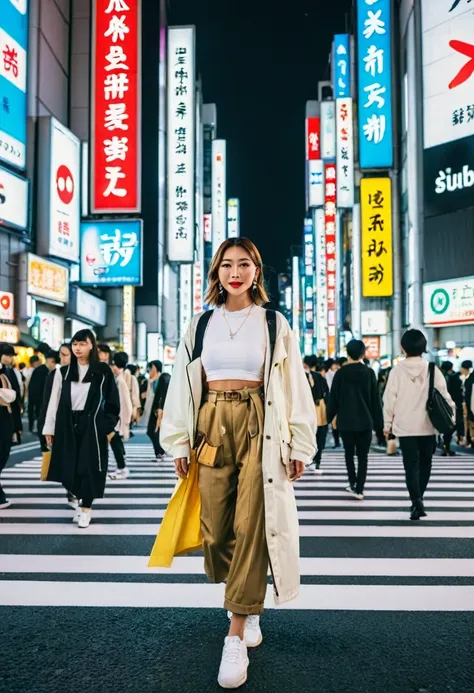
(284, 424)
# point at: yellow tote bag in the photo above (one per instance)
(45, 465)
(180, 531)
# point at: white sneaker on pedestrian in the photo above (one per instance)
(253, 633)
(77, 515)
(318, 470)
(359, 496)
(234, 663)
(85, 519)
(72, 501)
(120, 474)
(349, 489)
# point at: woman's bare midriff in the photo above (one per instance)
(227, 385)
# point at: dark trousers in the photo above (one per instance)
(417, 454)
(118, 449)
(82, 482)
(335, 435)
(357, 441)
(321, 436)
(6, 433)
(34, 410)
(155, 439)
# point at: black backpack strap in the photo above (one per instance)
(431, 371)
(200, 332)
(272, 330)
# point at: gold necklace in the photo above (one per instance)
(233, 334)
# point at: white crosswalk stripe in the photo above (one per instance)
(334, 528)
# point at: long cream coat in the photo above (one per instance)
(289, 434)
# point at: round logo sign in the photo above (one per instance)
(65, 184)
(5, 302)
(439, 301)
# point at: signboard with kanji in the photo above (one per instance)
(111, 253)
(115, 152)
(376, 248)
(46, 279)
(330, 180)
(450, 302)
(345, 153)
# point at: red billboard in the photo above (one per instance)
(330, 232)
(115, 106)
(313, 139)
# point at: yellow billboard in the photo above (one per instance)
(376, 242)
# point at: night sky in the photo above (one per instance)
(259, 64)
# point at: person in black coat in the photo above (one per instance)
(355, 400)
(154, 422)
(82, 415)
(320, 392)
(7, 355)
(7, 397)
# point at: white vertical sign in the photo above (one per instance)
(316, 182)
(296, 296)
(328, 130)
(345, 153)
(233, 218)
(185, 298)
(321, 303)
(219, 198)
(181, 143)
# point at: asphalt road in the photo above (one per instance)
(386, 606)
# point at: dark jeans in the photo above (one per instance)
(118, 449)
(417, 454)
(335, 435)
(34, 411)
(358, 441)
(6, 433)
(155, 439)
(321, 436)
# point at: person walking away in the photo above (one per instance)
(134, 392)
(355, 400)
(52, 361)
(454, 386)
(35, 392)
(157, 410)
(7, 356)
(320, 392)
(406, 415)
(7, 396)
(469, 400)
(156, 396)
(82, 414)
(256, 422)
(122, 430)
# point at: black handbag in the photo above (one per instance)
(439, 411)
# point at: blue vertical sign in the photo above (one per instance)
(374, 60)
(13, 67)
(342, 66)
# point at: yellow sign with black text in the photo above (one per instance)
(376, 242)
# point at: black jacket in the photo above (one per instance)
(36, 386)
(16, 405)
(320, 389)
(468, 385)
(46, 397)
(454, 384)
(158, 400)
(355, 399)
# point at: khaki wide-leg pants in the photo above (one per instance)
(232, 500)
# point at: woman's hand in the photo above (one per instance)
(49, 441)
(296, 469)
(181, 467)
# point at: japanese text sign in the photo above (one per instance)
(313, 139)
(372, 347)
(342, 66)
(128, 319)
(219, 199)
(181, 143)
(448, 70)
(321, 307)
(450, 302)
(375, 83)
(13, 68)
(186, 299)
(233, 217)
(207, 228)
(116, 106)
(315, 169)
(330, 234)
(46, 279)
(345, 153)
(7, 306)
(309, 267)
(377, 252)
(328, 130)
(13, 200)
(111, 253)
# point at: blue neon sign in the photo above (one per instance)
(342, 66)
(13, 69)
(374, 60)
(111, 253)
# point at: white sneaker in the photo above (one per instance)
(77, 515)
(120, 474)
(85, 519)
(253, 633)
(72, 501)
(234, 663)
(318, 470)
(359, 496)
(349, 489)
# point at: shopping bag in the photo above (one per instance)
(392, 446)
(45, 465)
(180, 531)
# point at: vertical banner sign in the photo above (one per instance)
(308, 284)
(295, 294)
(233, 218)
(316, 183)
(374, 62)
(313, 139)
(377, 253)
(345, 153)
(208, 228)
(13, 66)
(330, 232)
(128, 319)
(219, 199)
(185, 298)
(321, 305)
(116, 106)
(342, 66)
(328, 130)
(181, 143)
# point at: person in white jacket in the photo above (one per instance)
(406, 416)
(122, 429)
(239, 397)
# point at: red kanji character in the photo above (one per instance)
(10, 60)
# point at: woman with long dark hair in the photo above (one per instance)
(82, 414)
(240, 399)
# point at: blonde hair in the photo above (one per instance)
(216, 298)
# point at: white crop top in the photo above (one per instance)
(240, 358)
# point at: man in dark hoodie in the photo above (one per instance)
(355, 400)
